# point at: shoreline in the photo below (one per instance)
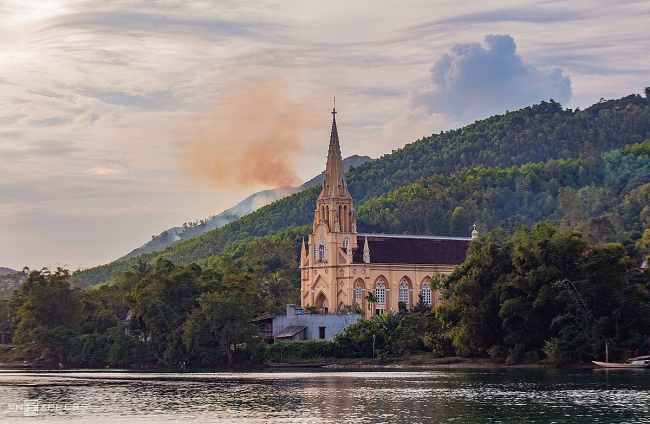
(334, 364)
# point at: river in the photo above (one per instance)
(328, 396)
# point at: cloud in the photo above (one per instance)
(473, 82)
(49, 122)
(157, 100)
(170, 23)
(519, 14)
(41, 148)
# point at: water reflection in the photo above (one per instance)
(477, 396)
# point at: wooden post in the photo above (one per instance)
(606, 352)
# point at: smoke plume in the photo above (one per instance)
(252, 138)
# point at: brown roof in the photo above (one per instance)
(290, 331)
(398, 249)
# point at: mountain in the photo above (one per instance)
(7, 271)
(246, 206)
(604, 196)
(536, 133)
(532, 134)
(350, 161)
(10, 280)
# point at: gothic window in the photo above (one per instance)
(426, 292)
(403, 291)
(315, 253)
(380, 291)
(321, 252)
(346, 242)
(358, 292)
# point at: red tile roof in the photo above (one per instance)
(397, 249)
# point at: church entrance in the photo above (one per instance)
(322, 304)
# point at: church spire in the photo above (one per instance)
(334, 184)
(334, 206)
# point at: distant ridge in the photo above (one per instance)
(7, 271)
(246, 206)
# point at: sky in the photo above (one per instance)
(120, 119)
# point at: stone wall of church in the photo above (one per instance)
(332, 287)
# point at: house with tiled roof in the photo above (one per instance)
(339, 266)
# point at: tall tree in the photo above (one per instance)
(217, 326)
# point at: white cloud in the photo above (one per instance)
(473, 82)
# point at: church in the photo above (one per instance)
(339, 266)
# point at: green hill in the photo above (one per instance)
(533, 134)
(606, 196)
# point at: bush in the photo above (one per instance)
(300, 350)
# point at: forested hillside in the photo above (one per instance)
(606, 196)
(533, 134)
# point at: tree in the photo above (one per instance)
(469, 311)
(421, 307)
(529, 297)
(47, 312)
(370, 297)
(217, 326)
(388, 324)
(600, 228)
(459, 222)
(160, 303)
(643, 244)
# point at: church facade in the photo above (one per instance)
(339, 266)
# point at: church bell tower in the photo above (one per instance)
(333, 238)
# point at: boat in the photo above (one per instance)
(637, 362)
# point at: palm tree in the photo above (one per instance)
(370, 297)
(389, 322)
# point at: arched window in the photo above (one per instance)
(380, 291)
(403, 291)
(346, 242)
(358, 292)
(426, 292)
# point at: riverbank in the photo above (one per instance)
(418, 360)
(460, 363)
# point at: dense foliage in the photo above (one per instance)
(157, 314)
(606, 196)
(541, 293)
(533, 134)
(545, 292)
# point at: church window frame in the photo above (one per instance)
(358, 292)
(380, 292)
(403, 291)
(426, 291)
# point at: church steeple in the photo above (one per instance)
(334, 205)
(334, 184)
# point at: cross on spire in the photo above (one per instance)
(334, 185)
